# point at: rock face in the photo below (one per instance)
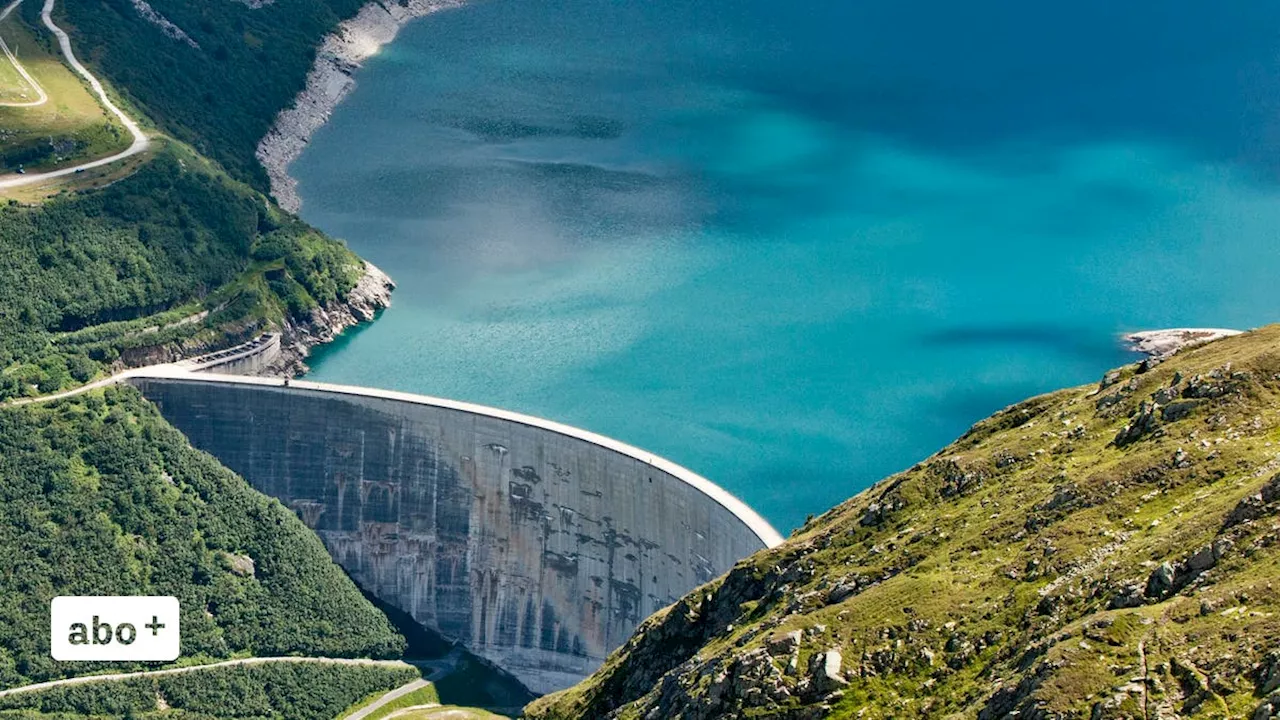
(538, 546)
(371, 294)
(1078, 555)
(329, 82)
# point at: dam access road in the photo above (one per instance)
(140, 140)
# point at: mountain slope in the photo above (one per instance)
(100, 496)
(1106, 551)
(220, 83)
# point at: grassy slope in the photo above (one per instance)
(99, 496)
(422, 696)
(71, 127)
(1037, 565)
(450, 712)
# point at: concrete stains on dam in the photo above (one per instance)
(539, 550)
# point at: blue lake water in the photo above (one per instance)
(799, 246)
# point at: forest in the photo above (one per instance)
(100, 496)
(222, 96)
(87, 277)
(289, 691)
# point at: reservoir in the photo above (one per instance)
(796, 247)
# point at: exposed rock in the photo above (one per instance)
(844, 590)
(1160, 582)
(1163, 343)
(1180, 459)
(1208, 556)
(1269, 709)
(1179, 409)
(1216, 383)
(1130, 596)
(1165, 395)
(824, 672)
(957, 480)
(1254, 506)
(1268, 675)
(784, 644)
(1144, 422)
(241, 565)
(371, 294)
(149, 14)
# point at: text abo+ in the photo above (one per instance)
(114, 628)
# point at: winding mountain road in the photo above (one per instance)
(140, 140)
(4, 47)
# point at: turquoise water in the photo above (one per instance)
(796, 247)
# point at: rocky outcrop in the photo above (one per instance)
(371, 294)
(1163, 343)
(149, 14)
(329, 82)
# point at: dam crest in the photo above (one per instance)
(537, 545)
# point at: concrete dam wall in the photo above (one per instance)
(540, 546)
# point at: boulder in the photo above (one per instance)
(1160, 582)
(1143, 423)
(784, 644)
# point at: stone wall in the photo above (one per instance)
(540, 546)
(255, 357)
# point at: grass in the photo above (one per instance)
(449, 712)
(425, 695)
(1010, 570)
(14, 87)
(72, 127)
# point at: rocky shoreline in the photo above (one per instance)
(370, 295)
(329, 81)
(1161, 344)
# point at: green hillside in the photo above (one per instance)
(88, 278)
(286, 690)
(175, 252)
(222, 96)
(99, 496)
(1109, 551)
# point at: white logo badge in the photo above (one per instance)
(114, 628)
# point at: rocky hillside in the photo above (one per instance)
(1108, 551)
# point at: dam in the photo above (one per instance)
(538, 546)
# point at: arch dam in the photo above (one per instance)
(537, 545)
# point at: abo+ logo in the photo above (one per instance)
(114, 628)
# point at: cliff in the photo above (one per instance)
(322, 324)
(1107, 551)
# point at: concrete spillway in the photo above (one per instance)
(538, 545)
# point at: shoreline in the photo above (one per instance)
(1160, 344)
(329, 81)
